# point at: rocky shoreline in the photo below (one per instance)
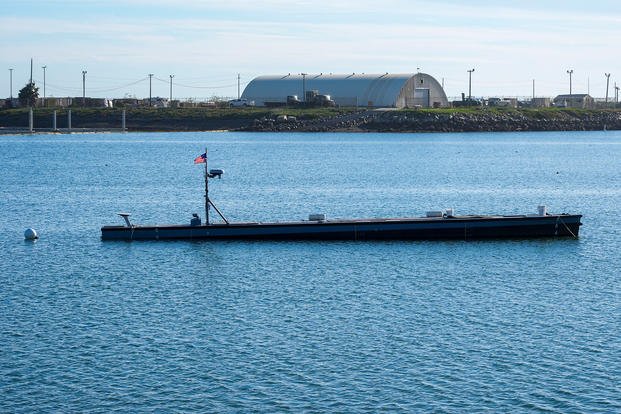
(337, 120)
(430, 121)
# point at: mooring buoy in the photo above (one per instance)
(30, 234)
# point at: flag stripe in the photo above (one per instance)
(200, 159)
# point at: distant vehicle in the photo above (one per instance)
(292, 100)
(237, 103)
(467, 102)
(314, 98)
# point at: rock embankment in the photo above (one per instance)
(323, 120)
(349, 122)
(448, 121)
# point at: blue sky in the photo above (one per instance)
(205, 43)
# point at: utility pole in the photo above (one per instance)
(533, 89)
(170, 100)
(616, 93)
(11, 82)
(44, 67)
(303, 86)
(570, 73)
(31, 71)
(83, 88)
(607, 84)
(150, 78)
(470, 83)
(238, 86)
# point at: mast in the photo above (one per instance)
(211, 174)
(206, 190)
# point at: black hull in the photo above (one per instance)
(447, 228)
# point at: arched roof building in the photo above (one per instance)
(379, 90)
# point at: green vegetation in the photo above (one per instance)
(201, 119)
(533, 113)
(28, 94)
(160, 119)
(177, 113)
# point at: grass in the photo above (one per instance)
(196, 116)
(539, 113)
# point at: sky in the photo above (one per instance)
(205, 44)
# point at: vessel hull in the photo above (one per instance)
(443, 228)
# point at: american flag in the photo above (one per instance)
(201, 159)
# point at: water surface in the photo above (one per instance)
(496, 326)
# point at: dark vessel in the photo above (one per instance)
(437, 225)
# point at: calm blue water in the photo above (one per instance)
(495, 326)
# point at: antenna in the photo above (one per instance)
(211, 174)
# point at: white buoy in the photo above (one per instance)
(30, 234)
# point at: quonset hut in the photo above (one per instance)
(381, 90)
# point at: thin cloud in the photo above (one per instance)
(508, 44)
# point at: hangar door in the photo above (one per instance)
(421, 97)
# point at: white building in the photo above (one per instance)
(368, 90)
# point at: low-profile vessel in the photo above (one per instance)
(435, 225)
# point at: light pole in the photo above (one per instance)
(238, 84)
(470, 83)
(570, 72)
(304, 86)
(11, 81)
(150, 78)
(607, 84)
(83, 88)
(171, 78)
(44, 67)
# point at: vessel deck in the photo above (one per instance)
(452, 227)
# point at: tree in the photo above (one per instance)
(28, 94)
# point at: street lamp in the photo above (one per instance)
(304, 86)
(171, 78)
(150, 78)
(44, 67)
(570, 73)
(11, 81)
(83, 88)
(607, 84)
(470, 83)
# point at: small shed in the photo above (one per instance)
(576, 100)
(541, 102)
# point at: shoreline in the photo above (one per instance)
(353, 120)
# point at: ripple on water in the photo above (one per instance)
(499, 326)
